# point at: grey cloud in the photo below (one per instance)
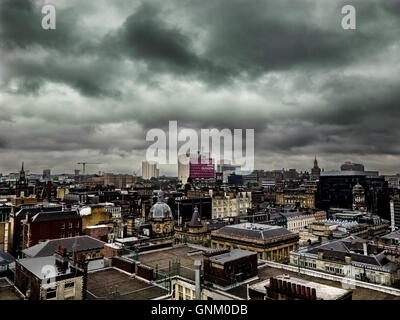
(284, 68)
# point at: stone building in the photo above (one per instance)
(196, 231)
(359, 198)
(270, 242)
(300, 197)
(296, 222)
(160, 218)
(55, 277)
(315, 171)
(230, 204)
(351, 257)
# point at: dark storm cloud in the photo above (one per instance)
(281, 34)
(20, 27)
(144, 35)
(284, 68)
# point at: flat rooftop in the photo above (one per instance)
(358, 292)
(7, 291)
(185, 254)
(161, 259)
(113, 284)
(323, 291)
(231, 256)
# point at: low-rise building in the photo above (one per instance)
(230, 204)
(55, 277)
(351, 257)
(285, 287)
(300, 197)
(270, 242)
(297, 221)
(196, 231)
(90, 248)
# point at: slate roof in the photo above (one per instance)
(55, 215)
(339, 249)
(252, 231)
(47, 248)
(231, 256)
(6, 258)
(41, 266)
(32, 211)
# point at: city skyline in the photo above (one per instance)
(92, 88)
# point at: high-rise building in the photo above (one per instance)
(395, 212)
(349, 166)
(196, 166)
(335, 190)
(315, 171)
(46, 175)
(149, 170)
(226, 170)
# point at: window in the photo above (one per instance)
(63, 226)
(70, 225)
(69, 284)
(51, 293)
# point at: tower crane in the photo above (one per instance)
(84, 165)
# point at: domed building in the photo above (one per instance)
(160, 218)
(359, 198)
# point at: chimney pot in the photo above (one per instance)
(293, 289)
(313, 294)
(298, 290)
(308, 292)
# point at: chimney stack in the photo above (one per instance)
(197, 266)
(313, 294)
(61, 256)
(365, 248)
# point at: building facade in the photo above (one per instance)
(230, 204)
(269, 242)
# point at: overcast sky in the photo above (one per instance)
(112, 70)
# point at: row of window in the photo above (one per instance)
(70, 225)
(334, 270)
(69, 235)
(51, 293)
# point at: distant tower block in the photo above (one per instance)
(359, 198)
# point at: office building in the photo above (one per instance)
(149, 170)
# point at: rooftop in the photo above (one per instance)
(43, 267)
(231, 256)
(55, 215)
(7, 291)
(253, 232)
(161, 259)
(349, 173)
(395, 235)
(80, 243)
(6, 258)
(323, 291)
(358, 292)
(112, 284)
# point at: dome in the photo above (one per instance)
(160, 210)
(358, 188)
